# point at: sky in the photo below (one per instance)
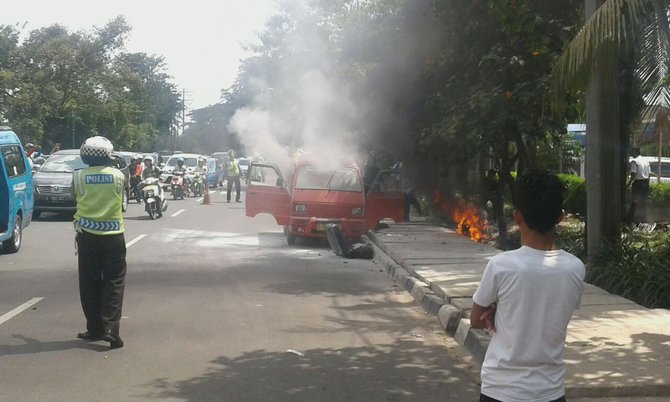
(201, 40)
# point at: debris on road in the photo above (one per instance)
(295, 352)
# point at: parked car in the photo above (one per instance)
(316, 196)
(16, 191)
(53, 182)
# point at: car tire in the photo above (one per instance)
(13, 244)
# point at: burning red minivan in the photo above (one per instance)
(316, 196)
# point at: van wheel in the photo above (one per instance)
(13, 244)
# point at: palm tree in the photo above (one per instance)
(621, 58)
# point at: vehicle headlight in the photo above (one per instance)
(357, 211)
(299, 208)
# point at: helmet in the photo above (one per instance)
(231, 153)
(29, 145)
(149, 158)
(96, 151)
(137, 157)
(180, 161)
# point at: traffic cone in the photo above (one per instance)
(205, 198)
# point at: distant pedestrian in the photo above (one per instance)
(489, 191)
(101, 246)
(526, 298)
(233, 176)
(370, 171)
(640, 171)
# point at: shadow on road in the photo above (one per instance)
(34, 346)
(406, 370)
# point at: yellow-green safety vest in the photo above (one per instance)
(233, 168)
(99, 194)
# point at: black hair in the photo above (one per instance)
(538, 196)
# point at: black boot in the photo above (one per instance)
(114, 340)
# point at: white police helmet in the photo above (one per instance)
(96, 151)
(148, 157)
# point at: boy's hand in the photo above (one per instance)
(488, 316)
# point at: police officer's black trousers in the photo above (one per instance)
(236, 181)
(102, 273)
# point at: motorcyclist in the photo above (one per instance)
(181, 168)
(149, 169)
(135, 171)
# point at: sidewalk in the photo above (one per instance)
(614, 348)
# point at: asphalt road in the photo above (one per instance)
(219, 308)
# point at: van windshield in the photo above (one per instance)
(309, 177)
(63, 164)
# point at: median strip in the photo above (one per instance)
(25, 306)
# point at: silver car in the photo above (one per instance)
(53, 182)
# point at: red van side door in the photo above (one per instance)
(385, 199)
(267, 192)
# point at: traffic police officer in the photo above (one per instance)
(233, 176)
(101, 245)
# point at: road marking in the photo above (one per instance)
(25, 306)
(135, 240)
(200, 199)
(177, 213)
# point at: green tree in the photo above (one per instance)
(60, 86)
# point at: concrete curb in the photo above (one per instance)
(449, 316)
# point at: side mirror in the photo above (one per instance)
(280, 182)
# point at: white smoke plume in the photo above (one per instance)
(315, 115)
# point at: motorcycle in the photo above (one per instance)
(135, 191)
(154, 197)
(178, 186)
(198, 184)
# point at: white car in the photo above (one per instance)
(190, 161)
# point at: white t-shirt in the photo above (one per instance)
(536, 293)
(640, 168)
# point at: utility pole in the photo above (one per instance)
(183, 117)
(74, 145)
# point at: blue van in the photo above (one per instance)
(16, 190)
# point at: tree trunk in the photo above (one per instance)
(603, 155)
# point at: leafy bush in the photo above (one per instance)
(570, 237)
(640, 272)
(659, 195)
(575, 194)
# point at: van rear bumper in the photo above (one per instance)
(316, 227)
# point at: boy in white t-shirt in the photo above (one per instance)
(526, 298)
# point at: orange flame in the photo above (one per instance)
(466, 215)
